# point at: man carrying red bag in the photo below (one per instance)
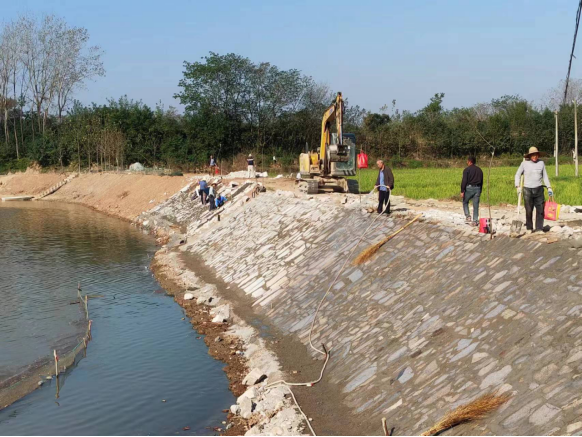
(534, 177)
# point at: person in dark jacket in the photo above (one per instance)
(384, 183)
(203, 191)
(471, 187)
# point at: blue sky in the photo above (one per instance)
(372, 51)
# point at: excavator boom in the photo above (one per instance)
(335, 111)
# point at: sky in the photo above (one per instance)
(372, 51)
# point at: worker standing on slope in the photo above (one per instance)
(384, 183)
(534, 176)
(471, 187)
(212, 197)
(212, 166)
(251, 166)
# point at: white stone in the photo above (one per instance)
(543, 414)
(188, 296)
(252, 377)
(246, 408)
(222, 314)
(478, 357)
(495, 378)
(406, 375)
(393, 407)
(508, 314)
(250, 393)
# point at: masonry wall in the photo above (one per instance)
(436, 319)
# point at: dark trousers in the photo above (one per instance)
(383, 199)
(534, 198)
(204, 195)
(474, 193)
(211, 201)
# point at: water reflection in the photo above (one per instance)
(141, 351)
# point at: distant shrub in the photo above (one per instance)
(14, 165)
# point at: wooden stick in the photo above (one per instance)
(384, 426)
(56, 363)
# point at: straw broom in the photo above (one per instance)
(478, 409)
(368, 253)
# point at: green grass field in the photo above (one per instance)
(438, 183)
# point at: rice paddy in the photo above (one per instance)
(445, 183)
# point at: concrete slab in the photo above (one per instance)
(17, 198)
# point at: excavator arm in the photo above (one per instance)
(334, 112)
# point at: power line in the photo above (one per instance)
(572, 54)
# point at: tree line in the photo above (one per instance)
(233, 106)
(43, 61)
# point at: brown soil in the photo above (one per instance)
(30, 183)
(121, 195)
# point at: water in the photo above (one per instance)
(141, 352)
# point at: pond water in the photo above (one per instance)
(142, 351)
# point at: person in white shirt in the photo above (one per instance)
(534, 176)
(212, 197)
(251, 166)
(212, 170)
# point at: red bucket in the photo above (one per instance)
(484, 226)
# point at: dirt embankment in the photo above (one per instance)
(29, 183)
(121, 195)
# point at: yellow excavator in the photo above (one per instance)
(327, 167)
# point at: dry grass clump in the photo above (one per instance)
(478, 409)
(368, 253)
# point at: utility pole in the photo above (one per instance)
(556, 146)
(575, 137)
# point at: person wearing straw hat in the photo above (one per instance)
(251, 166)
(534, 177)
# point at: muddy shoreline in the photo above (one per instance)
(250, 364)
(221, 347)
(321, 403)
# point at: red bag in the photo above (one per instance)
(551, 210)
(362, 160)
(484, 226)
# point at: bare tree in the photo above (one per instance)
(76, 64)
(57, 60)
(8, 67)
(38, 56)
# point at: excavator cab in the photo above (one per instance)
(347, 166)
